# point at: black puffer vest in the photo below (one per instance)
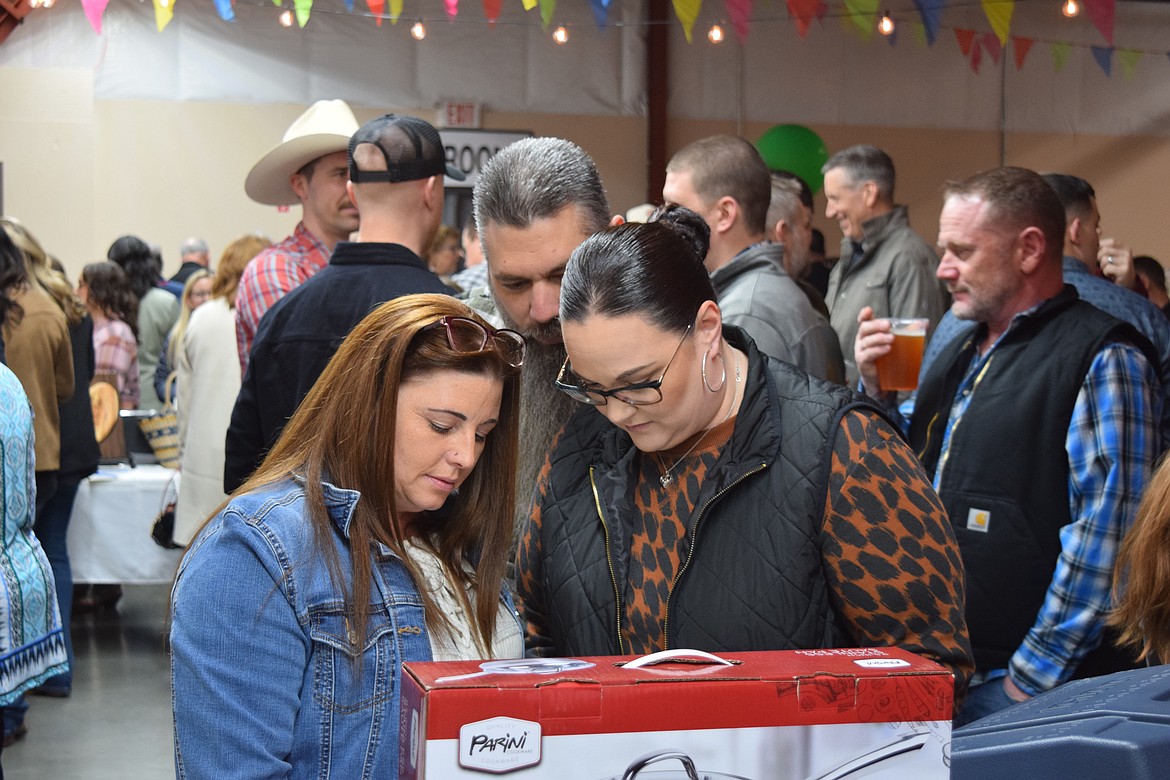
(752, 579)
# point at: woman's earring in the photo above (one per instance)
(703, 372)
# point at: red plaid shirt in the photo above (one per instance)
(270, 276)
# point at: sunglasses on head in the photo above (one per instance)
(468, 337)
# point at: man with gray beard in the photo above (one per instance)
(534, 203)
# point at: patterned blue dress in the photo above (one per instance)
(32, 647)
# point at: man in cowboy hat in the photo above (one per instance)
(396, 170)
(307, 167)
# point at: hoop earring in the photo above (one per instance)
(703, 372)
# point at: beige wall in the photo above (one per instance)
(81, 172)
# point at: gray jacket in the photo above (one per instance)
(895, 275)
(756, 294)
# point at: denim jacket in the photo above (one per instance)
(262, 673)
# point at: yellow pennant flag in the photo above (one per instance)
(1129, 60)
(164, 11)
(1060, 55)
(529, 4)
(687, 12)
(395, 11)
(303, 9)
(863, 13)
(999, 13)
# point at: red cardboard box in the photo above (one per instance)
(785, 715)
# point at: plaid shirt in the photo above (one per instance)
(270, 276)
(115, 353)
(1112, 445)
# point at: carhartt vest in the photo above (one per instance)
(1005, 481)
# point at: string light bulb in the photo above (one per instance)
(561, 35)
(886, 25)
(1070, 8)
(34, 4)
(286, 18)
(418, 31)
(715, 34)
(47, 3)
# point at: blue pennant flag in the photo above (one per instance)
(1104, 57)
(600, 11)
(225, 10)
(931, 13)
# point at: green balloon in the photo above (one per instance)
(796, 149)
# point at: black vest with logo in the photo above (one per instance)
(1005, 479)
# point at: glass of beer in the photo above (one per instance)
(898, 369)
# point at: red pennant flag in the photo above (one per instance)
(803, 11)
(976, 57)
(376, 8)
(1102, 12)
(965, 39)
(491, 10)
(994, 48)
(1021, 46)
(739, 11)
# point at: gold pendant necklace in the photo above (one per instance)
(668, 477)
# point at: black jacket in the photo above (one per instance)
(297, 337)
(754, 578)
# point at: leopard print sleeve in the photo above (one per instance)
(889, 555)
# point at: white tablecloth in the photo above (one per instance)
(109, 532)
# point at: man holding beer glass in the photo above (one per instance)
(1058, 403)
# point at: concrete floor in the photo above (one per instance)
(117, 723)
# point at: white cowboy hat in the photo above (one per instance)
(323, 129)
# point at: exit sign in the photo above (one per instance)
(459, 114)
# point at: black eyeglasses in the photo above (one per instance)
(637, 394)
(468, 337)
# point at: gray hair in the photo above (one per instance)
(864, 163)
(789, 193)
(536, 178)
(194, 246)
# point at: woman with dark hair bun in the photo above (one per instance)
(713, 497)
(105, 291)
(158, 310)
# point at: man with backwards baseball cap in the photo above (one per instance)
(306, 167)
(396, 166)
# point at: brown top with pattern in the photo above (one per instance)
(881, 566)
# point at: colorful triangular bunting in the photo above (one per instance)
(803, 12)
(1021, 47)
(1104, 57)
(991, 42)
(740, 11)
(491, 10)
(965, 39)
(395, 11)
(1129, 59)
(164, 11)
(600, 11)
(863, 13)
(303, 9)
(999, 13)
(931, 13)
(529, 4)
(93, 11)
(547, 9)
(1060, 55)
(687, 12)
(228, 14)
(452, 8)
(1102, 13)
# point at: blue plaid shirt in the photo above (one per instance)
(1112, 444)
